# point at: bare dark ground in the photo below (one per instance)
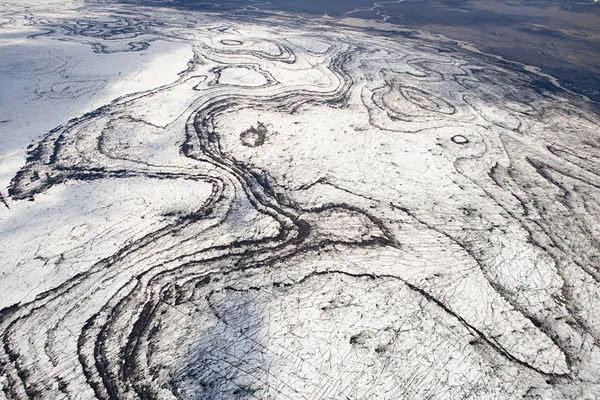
(561, 38)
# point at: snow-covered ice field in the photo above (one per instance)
(255, 205)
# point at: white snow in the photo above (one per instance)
(215, 207)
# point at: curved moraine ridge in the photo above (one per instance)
(308, 211)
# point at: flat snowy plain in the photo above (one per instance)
(257, 205)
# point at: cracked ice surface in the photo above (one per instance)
(282, 208)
